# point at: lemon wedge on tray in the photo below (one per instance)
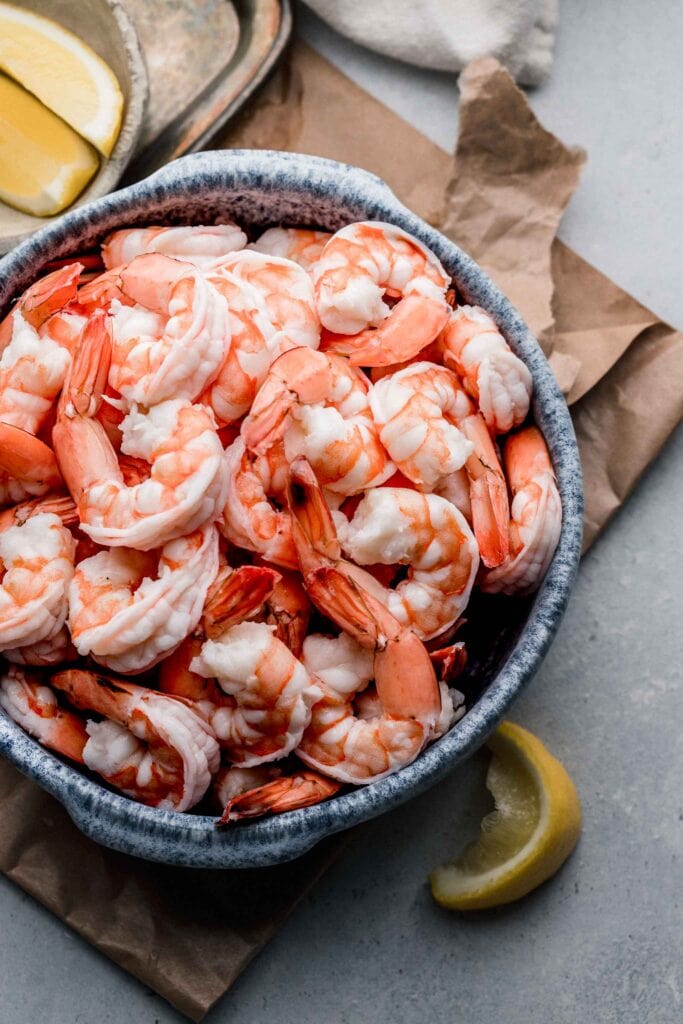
(64, 73)
(533, 829)
(44, 164)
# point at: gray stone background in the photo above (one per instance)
(602, 941)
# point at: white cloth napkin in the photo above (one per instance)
(447, 34)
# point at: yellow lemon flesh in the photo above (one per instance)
(533, 829)
(63, 73)
(44, 164)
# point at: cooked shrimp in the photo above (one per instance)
(536, 516)
(391, 526)
(172, 342)
(272, 309)
(32, 371)
(361, 264)
(201, 246)
(99, 293)
(397, 526)
(340, 743)
(304, 247)
(272, 691)
(289, 793)
(431, 429)
(37, 562)
(34, 706)
(153, 748)
(129, 609)
(320, 405)
(55, 650)
(250, 520)
(45, 296)
(186, 485)
(497, 379)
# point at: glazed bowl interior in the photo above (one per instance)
(259, 189)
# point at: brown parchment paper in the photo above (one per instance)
(188, 934)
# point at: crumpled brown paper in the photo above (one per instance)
(188, 934)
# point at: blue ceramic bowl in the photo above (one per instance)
(260, 188)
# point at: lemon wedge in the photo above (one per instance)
(533, 829)
(63, 73)
(44, 164)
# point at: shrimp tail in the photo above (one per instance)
(236, 595)
(28, 459)
(90, 368)
(488, 494)
(287, 794)
(48, 295)
(449, 662)
(312, 526)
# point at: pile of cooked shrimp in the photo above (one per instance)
(247, 491)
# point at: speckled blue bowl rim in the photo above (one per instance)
(268, 183)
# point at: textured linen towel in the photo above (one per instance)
(448, 34)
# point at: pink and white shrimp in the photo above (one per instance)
(187, 478)
(431, 429)
(272, 309)
(302, 246)
(37, 563)
(33, 705)
(28, 467)
(248, 797)
(32, 372)
(203, 246)
(272, 693)
(250, 519)
(497, 379)
(152, 747)
(173, 340)
(360, 265)
(45, 296)
(320, 405)
(536, 516)
(129, 609)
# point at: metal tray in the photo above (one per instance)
(205, 58)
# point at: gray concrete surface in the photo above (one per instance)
(602, 942)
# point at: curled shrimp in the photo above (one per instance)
(45, 296)
(250, 519)
(129, 609)
(497, 379)
(187, 480)
(431, 429)
(536, 516)
(272, 309)
(37, 561)
(304, 247)
(201, 246)
(172, 341)
(34, 706)
(152, 747)
(271, 691)
(361, 264)
(320, 405)
(32, 371)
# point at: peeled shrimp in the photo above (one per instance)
(171, 343)
(272, 309)
(201, 246)
(320, 405)
(129, 609)
(304, 247)
(536, 516)
(187, 481)
(497, 379)
(361, 264)
(28, 467)
(153, 748)
(272, 692)
(37, 560)
(431, 429)
(34, 706)
(250, 519)
(32, 371)
(44, 297)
